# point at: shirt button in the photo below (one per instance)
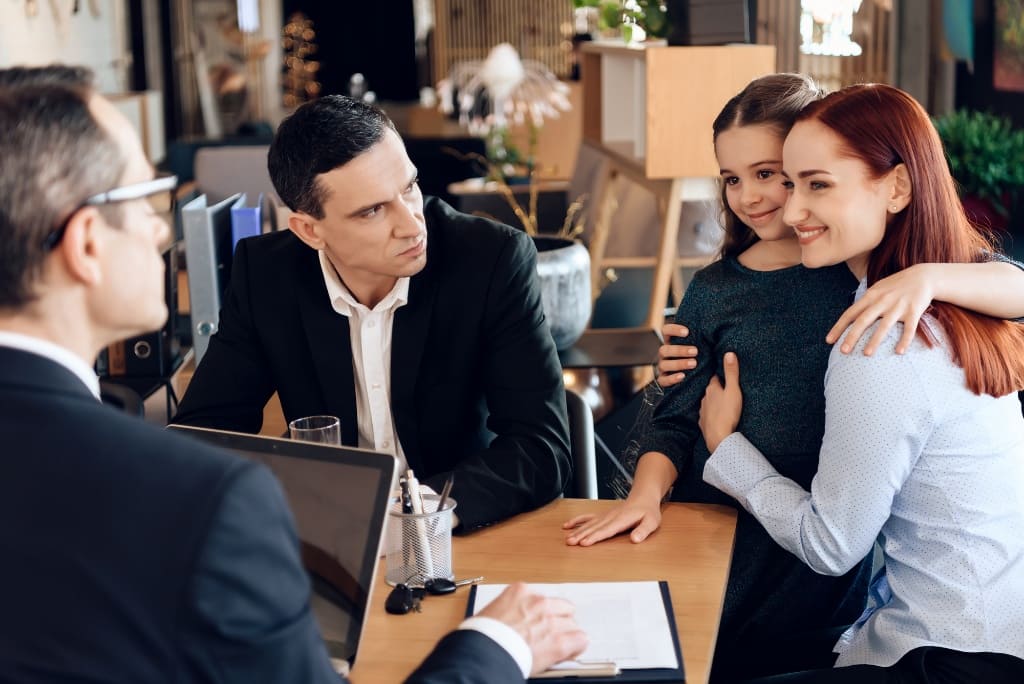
(385, 444)
(376, 385)
(371, 324)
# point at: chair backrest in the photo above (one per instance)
(223, 171)
(121, 397)
(590, 163)
(581, 447)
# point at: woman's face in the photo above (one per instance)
(838, 211)
(750, 158)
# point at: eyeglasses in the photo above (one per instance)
(126, 193)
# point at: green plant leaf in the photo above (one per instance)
(655, 18)
(986, 155)
(611, 13)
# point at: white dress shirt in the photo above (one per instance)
(55, 353)
(370, 337)
(935, 473)
(506, 637)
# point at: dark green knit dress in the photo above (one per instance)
(779, 615)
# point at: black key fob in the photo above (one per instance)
(400, 601)
(438, 586)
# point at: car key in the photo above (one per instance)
(401, 600)
(442, 585)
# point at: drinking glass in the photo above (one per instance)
(319, 429)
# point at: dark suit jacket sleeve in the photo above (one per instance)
(467, 657)
(527, 464)
(249, 618)
(232, 383)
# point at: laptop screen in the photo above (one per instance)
(339, 497)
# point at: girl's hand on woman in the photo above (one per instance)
(722, 405)
(638, 513)
(902, 297)
(674, 359)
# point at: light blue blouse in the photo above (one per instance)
(933, 472)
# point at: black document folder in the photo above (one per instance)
(641, 675)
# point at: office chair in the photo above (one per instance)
(220, 172)
(120, 397)
(581, 447)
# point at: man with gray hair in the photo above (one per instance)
(131, 554)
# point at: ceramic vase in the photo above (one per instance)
(563, 267)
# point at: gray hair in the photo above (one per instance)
(55, 155)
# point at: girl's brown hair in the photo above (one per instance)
(774, 101)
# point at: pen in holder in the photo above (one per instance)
(419, 545)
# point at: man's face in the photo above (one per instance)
(130, 298)
(373, 228)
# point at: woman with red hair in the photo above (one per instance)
(923, 451)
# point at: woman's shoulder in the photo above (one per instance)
(926, 357)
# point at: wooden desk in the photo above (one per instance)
(692, 551)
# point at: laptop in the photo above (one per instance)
(339, 497)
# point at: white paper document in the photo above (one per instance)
(625, 621)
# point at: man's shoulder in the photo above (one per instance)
(272, 245)
(141, 446)
(456, 228)
(122, 454)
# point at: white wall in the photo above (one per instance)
(79, 38)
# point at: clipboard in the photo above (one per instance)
(638, 675)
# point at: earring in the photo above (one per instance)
(892, 208)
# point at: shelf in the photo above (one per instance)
(653, 106)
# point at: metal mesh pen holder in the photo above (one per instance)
(419, 545)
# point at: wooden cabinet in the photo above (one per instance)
(648, 111)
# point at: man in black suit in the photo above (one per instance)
(131, 554)
(419, 327)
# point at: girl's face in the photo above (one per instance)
(837, 210)
(750, 158)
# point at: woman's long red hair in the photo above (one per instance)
(882, 126)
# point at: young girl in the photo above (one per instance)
(760, 302)
(924, 451)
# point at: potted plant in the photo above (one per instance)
(491, 95)
(986, 157)
(563, 263)
(635, 19)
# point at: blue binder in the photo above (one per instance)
(246, 219)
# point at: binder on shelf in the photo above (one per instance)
(246, 219)
(208, 250)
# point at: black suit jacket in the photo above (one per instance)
(134, 555)
(476, 387)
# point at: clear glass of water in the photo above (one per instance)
(319, 429)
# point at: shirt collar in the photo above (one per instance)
(862, 287)
(343, 301)
(55, 353)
